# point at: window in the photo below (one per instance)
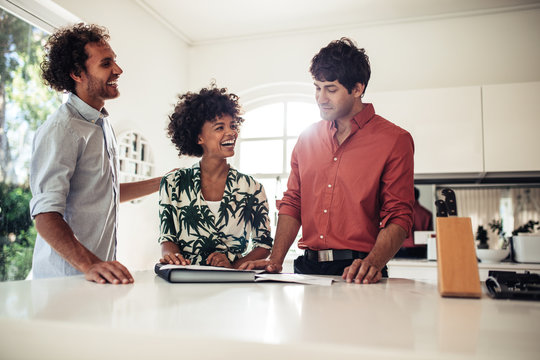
(27, 102)
(266, 141)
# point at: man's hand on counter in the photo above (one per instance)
(368, 270)
(108, 272)
(362, 271)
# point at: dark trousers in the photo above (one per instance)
(302, 265)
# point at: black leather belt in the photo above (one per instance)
(332, 255)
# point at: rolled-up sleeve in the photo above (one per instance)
(397, 185)
(54, 158)
(290, 204)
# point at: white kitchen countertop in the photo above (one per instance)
(71, 318)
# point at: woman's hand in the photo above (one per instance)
(174, 259)
(218, 259)
(171, 254)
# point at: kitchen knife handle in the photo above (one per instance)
(441, 208)
(450, 198)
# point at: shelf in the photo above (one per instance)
(427, 270)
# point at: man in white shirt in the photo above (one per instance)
(74, 167)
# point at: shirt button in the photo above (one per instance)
(335, 159)
(325, 211)
(321, 237)
(329, 185)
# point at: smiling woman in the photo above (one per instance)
(210, 212)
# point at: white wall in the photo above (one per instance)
(474, 50)
(155, 64)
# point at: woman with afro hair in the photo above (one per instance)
(210, 211)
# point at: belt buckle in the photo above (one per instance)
(325, 255)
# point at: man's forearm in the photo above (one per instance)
(287, 229)
(388, 243)
(133, 190)
(58, 234)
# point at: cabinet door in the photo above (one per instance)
(512, 127)
(446, 125)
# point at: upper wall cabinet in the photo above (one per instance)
(446, 125)
(512, 127)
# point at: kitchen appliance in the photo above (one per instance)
(512, 285)
(432, 248)
(429, 238)
(421, 237)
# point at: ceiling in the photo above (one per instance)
(208, 21)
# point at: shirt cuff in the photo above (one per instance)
(405, 225)
(47, 202)
(285, 209)
(165, 238)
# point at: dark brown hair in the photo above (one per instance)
(343, 61)
(65, 54)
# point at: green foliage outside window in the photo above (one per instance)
(25, 103)
(17, 232)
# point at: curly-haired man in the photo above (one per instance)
(74, 167)
(351, 180)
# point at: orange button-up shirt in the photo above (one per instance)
(344, 194)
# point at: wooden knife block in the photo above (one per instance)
(457, 266)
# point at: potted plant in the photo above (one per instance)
(526, 228)
(481, 236)
(483, 252)
(526, 243)
(497, 227)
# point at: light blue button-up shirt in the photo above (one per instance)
(74, 172)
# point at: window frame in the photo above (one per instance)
(45, 15)
(280, 178)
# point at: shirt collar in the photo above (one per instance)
(87, 112)
(363, 117)
(358, 121)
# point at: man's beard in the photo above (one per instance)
(97, 89)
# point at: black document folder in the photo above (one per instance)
(211, 274)
(201, 274)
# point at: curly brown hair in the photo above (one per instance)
(194, 109)
(65, 54)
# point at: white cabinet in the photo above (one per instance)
(446, 125)
(511, 127)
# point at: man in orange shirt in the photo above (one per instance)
(351, 180)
